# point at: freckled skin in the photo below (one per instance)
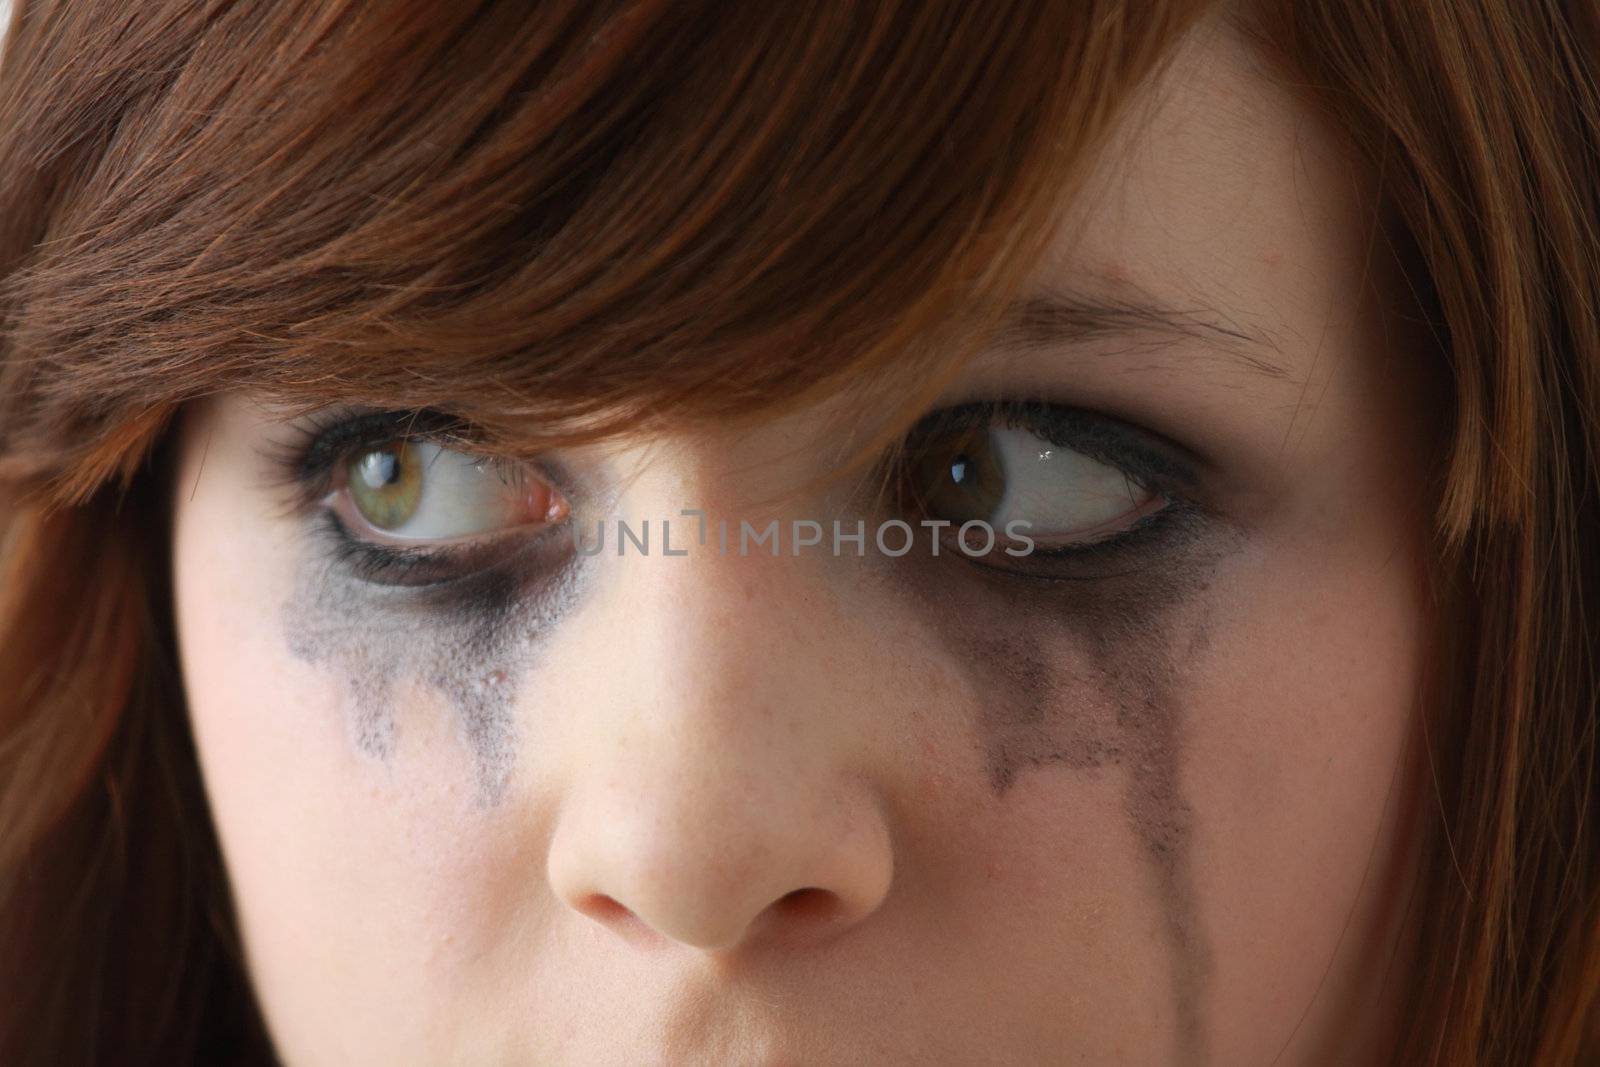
(472, 640)
(1085, 674)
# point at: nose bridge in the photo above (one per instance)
(753, 621)
(718, 675)
(738, 622)
(724, 789)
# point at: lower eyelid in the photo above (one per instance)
(391, 566)
(437, 565)
(1155, 543)
(359, 530)
(1124, 524)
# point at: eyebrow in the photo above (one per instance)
(1063, 317)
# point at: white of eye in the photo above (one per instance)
(1063, 494)
(460, 496)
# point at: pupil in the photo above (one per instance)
(956, 475)
(380, 469)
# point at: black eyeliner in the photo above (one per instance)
(303, 466)
(378, 564)
(1155, 461)
(325, 446)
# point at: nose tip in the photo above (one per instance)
(804, 889)
(721, 789)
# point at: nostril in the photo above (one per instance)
(614, 915)
(808, 905)
(603, 908)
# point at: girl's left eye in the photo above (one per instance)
(1003, 475)
(1067, 479)
(412, 490)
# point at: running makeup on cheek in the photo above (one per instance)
(1076, 655)
(462, 616)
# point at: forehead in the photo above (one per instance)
(1222, 192)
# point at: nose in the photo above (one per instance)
(723, 796)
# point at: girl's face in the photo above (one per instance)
(1140, 795)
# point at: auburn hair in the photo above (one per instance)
(574, 219)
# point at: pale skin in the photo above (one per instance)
(745, 809)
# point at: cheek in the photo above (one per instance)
(1088, 675)
(470, 643)
(1209, 749)
(1303, 762)
(384, 875)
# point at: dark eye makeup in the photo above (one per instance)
(309, 467)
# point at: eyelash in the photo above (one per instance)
(1151, 458)
(309, 460)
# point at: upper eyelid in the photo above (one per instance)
(325, 445)
(302, 465)
(1152, 457)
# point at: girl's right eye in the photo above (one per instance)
(417, 493)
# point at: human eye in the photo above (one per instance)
(1058, 485)
(406, 500)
